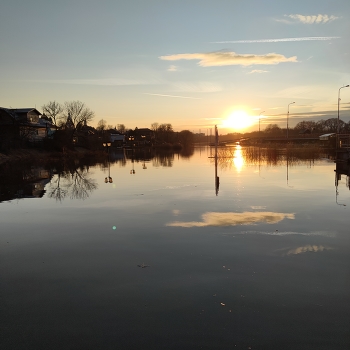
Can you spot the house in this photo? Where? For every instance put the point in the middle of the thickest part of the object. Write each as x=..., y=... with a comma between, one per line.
x=23, y=124
x=140, y=137
x=118, y=140
x=9, y=131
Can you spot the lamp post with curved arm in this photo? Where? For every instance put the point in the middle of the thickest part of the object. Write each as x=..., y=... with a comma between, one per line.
x=338, y=125
x=288, y=118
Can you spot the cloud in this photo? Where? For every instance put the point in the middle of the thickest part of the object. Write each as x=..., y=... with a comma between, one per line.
x=194, y=98
x=103, y=82
x=258, y=71
x=288, y=233
x=312, y=19
x=308, y=38
x=234, y=219
x=172, y=68
x=221, y=58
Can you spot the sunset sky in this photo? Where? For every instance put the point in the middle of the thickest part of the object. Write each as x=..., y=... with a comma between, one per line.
x=192, y=63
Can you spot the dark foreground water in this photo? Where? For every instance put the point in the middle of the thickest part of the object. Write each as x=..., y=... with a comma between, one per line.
x=164, y=258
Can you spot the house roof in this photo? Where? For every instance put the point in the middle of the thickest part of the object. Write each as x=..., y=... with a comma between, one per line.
x=24, y=110
x=326, y=136
x=6, y=116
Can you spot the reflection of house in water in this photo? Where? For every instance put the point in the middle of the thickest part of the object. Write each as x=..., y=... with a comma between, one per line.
x=23, y=183
x=35, y=182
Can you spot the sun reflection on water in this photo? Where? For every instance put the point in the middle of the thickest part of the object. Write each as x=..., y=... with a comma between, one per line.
x=238, y=159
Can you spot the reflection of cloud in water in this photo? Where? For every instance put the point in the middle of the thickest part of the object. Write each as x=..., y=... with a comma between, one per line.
x=308, y=248
x=233, y=219
x=176, y=212
x=287, y=233
x=258, y=207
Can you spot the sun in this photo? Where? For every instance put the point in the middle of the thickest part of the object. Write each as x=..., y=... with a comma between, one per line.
x=238, y=120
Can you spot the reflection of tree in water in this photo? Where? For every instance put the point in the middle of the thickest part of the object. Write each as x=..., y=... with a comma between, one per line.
x=166, y=158
x=163, y=159
x=271, y=156
x=74, y=183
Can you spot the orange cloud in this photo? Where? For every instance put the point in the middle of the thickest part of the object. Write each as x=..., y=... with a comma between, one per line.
x=212, y=59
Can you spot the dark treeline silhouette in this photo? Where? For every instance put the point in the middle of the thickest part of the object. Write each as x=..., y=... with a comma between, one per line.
x=304, y=127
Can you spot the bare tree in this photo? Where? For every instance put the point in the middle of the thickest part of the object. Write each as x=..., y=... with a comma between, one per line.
x=101, y=125
x=53, y=110
x=154, y=126
x=121, y=128
x=76, y=114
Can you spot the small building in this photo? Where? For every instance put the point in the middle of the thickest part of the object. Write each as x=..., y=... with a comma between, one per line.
x=23, y=125
x=327, y=137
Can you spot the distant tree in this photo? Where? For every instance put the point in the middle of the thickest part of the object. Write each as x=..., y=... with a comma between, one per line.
x=154, y=127
x=121, y=128
x=330, y=125
x=77, y=114
x=53, y=110
x=305, y=125
x=165, y=133
x=273, y=129
x=186, y=137
x=101, y=125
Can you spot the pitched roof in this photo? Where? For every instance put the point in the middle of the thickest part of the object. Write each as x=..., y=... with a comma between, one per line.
x=24, y=110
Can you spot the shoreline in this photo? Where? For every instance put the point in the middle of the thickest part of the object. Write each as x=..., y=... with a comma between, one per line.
x=36, y=155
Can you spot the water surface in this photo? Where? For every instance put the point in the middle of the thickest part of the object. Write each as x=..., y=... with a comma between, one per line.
x=168, y=257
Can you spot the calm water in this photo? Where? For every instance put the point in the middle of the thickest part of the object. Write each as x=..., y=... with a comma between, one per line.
x=163, y=259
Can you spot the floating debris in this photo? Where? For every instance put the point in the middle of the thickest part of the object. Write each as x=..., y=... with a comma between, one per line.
x=143, y=265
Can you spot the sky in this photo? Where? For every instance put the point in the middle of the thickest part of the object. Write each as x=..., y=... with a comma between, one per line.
x=191, y=63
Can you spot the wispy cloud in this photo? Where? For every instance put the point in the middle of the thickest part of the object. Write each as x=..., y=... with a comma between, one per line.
x=172, y=68
x=234, y=219
x=307, y=38
x=103, y=82
x=196, y=87
x=220, y=58
x=258, y=71
x=161, y=95
x=318, y=19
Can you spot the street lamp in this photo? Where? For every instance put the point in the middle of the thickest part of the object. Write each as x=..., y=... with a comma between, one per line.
x=259, y=120
x=338, y=126
x=288, y=118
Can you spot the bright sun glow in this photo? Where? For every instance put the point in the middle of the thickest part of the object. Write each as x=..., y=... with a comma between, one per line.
x=238, y=120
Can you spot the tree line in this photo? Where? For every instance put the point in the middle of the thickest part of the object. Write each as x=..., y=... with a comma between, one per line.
x=309, y=127
x=72, y=118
